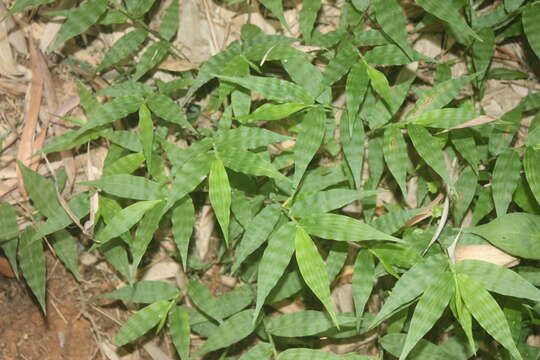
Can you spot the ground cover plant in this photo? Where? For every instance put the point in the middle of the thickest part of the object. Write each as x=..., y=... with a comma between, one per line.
x=344, y=164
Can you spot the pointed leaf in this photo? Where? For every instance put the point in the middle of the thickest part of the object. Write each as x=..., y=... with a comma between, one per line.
x=429, y=309
x=504, y=230
x=127, y=45
x=257, y=231
x=274, y=261
x=248, y=163
x=183, y=220
x=487, y=312
x=341, y=228
x=352, y=141
x=308, y=15
x=180, y=331
x=299, y=323
x=23, y=4
x=531, y=162
x=65, y=247
x=170, y=21
x=346, y=56
x=465, y=191
x=396, y=156
x=165, y=107
x=313, y=270
x=248, y=137
x=33, y=265
x=128, y=186
x=203, y=299
x=8, y=222
x=325, y=201
x=220, y=196
x=379, y=83
x=152, y=56
x=390, y=17
x=308, y=142
x=447, y=118
x=531, y=27
x=141, y=322
x=146, y=134
x=276, y=7
x=311, y=354
x=356, y=87
x=506, y=175
x=145, y=292
x=261, y=351
x=363, y=281
x=270, y=112
x=42, y=192
x=234, y=329
x=79, y=20
x=124, y=165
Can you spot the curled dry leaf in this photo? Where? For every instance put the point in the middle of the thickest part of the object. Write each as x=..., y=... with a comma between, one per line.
x=487, y=253
x=480, y=120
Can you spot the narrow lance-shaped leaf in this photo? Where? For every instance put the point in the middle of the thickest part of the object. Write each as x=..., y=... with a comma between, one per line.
x=128, y=186
x=65, y=247
x=123, y=221
x=346, y=56
x=308, y=142
x=352, y=140
x=428, y=310
x=328, y=200
x=299, y=323
x=180, y=331
x=447, y=12
x=248, y=163
x=165, y=107
x=363, y=281
x=257, y=231
x=410, y=285
x=342, y=228
x=465, y=191
x=531, y=26
x=355, y=89
x=427, y=148
x=395, y=155
x=146, y=229
x=308, y=15
x=504, y=230
x=183, y=220
x=506, y=176
x=169, y=23
x=379, y=83
x=272, y=88
x=389, y=15
x=487, y=312
x=124, y=165
x=189, y=176
x=531, y=164
x=203, y=299
x=141, y=322
x=220, y=196
x=41, y=191
x=33, y=265
x=261, y=351
x=23, y=4
x=270, y=112
x=8, y=222
x=313, y=270
x=248, y=137
x=234, y=329
x=152, y=56
x=145, y=292
x=146, y=128
x=274, y=261
x=276, y=7
x=79, y=20
x=127, y=45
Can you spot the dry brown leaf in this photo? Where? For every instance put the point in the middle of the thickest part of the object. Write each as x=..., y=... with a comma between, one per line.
x=161, y=271
x=485, y=252
x=427, y=212
x=480, y=120
x=176, y=65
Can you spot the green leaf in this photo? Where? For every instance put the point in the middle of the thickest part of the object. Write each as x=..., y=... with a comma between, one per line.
x=270, y=112
x=139, y=7
x=363, y=281
x=65, y=247
x=463, y=141
x=183, y=220
x=465, y=191
x=276, y=7
x=445, y=118
x=180, y=331
x=127, y=45
x=424, y=350
x=309, y=140
x=341, y=228
x=487, y=312
x=498, y=279
x=483, y=51
x=325, y=201
x=124, y=220
x=23, y=4
x=9, y=247
x=126, y=139
x=299, y=323
x=8, y=222
x=274, y=261
x=346, y=56
x=189, y=176
x=392, y=55
x=308, y=15
x=248, y=137
x=506, y=175
x=439, y=95
x=504, y=230
x=531, y=159
x=42, y=192
x=313, y=270
x=306, y=75
x=257, y=231
x=449, y=13
x=153, y=55
x=356, y=88
x=234, y=329
x=248, y=163
x=141, y=322
x=427, y=148
x=261, y=351
x=428, y=310
x=165, y=107
x=220, y=196
x=170, y=21
x=410, y=285
x=146, y=134
x=311, y=354
x=203, y=299
x=146, y=229
x=128, y=186
x=336, y=258
x=145, y=292
x=33, y=265
x=352, y=141
x=124, y=165
x=235, y=301
x=396, y=156
x=379, y=83
x=531, y=27
x=390, y=17
x=79, y=20
x=271, y=88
